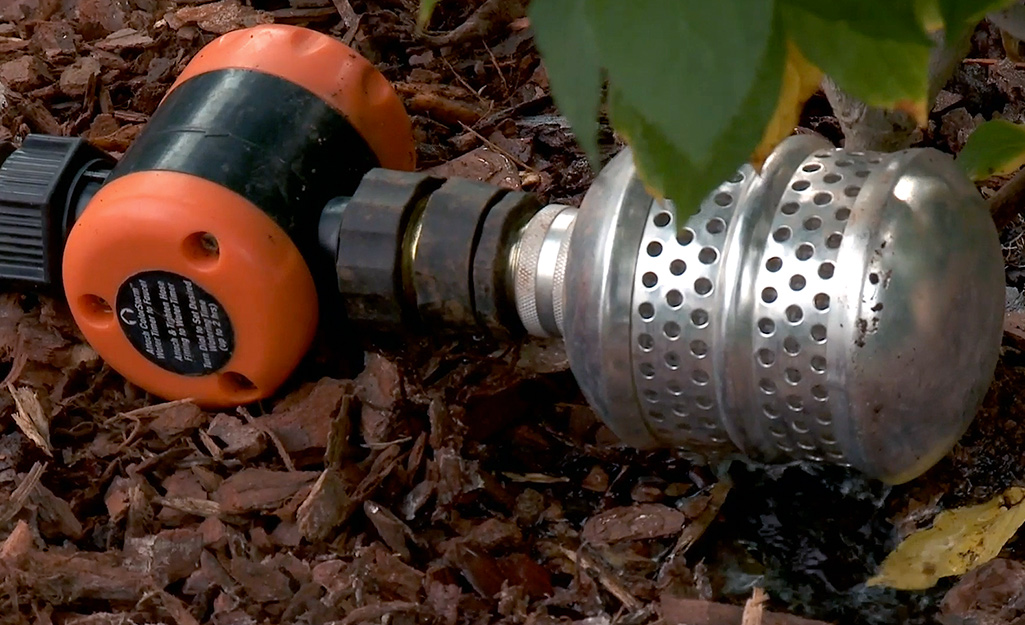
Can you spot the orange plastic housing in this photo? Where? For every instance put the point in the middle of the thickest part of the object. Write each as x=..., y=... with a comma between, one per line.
x=148, y=221
x=218, y=242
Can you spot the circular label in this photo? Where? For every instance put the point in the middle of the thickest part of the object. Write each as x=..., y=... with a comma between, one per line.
x=174, y=323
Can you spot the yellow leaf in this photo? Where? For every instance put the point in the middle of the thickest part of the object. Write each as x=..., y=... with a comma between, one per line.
x=800, y=81
x=958, y=541
x=916, y=109
x=929, y=15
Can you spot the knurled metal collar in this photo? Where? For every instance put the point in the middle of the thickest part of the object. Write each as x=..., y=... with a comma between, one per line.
x=539, y=267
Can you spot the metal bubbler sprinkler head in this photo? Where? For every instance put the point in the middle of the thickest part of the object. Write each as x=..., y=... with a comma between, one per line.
x=839, y=307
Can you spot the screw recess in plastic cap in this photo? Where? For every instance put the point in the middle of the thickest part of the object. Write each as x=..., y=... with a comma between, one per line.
x=186, y=287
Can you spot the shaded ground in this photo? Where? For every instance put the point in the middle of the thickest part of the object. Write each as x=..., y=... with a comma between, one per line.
x=459, y=483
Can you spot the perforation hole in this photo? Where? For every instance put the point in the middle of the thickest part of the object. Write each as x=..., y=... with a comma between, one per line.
x=674, y=298
x=699, y=376
x=671, y=329
x=662, y=219
x=704, y=402
x=794, y=402
x=831, y=178
x=699, y=348
x=646, y=342
x=822, y=198
x=842, y=214
x=801, y=428
x=819, y=392
x=654, y=248
x=792, y=376
x=805, y=251
x=235, y=383
x=96, y=309
x=821, y=301
x=715, y=226
x=833, y=240
x=708, y=255
x=791, y=346
x=769, y=295
x=736, y=177
x=797, y=282
x=794, y=313
x=789, y=208
x=768, y=386
x=649, y=279
x=844, y=163
x=766, y=326
x=772, y=412
x=800, y=185
x=646, y=310
x=812, y=223
x=826, y=270
x=766, y=357
x=781, y=234
x=674, y=389
x=811, y=167
x=723, y=199
x=852, y=191
x=818, y=364
x=702, y=286
x=656, y=416
x=647, y=369
x=685, y=236
x=774, y=264
x=677, y=267
x=818, y=332
x=202, y=249
x=651, y=396
x=699, y=317
x=862, y=173
x=672, y=360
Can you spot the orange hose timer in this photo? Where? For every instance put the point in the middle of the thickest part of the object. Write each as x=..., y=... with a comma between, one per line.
x=188, y=270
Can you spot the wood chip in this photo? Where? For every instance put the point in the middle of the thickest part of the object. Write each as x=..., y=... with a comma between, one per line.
x=677, y=611
x=260, y=490
x=327, y=506
x=218, y=17
x=30, y=417
x=263, y=583
x=21, y=494
x=18, y=543
x=638, y=522
x=125, y=39
x=55, y=517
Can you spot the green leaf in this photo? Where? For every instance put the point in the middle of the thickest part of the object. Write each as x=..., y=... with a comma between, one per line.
x=891, y=20
x=684, y=67
x=563, y=35
x=878, y=68
x=995, y=147
x=423, y=16
x=961, y=16
x=670, y=173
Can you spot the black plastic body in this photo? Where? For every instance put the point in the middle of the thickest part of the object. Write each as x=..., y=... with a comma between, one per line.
x=269, y=140
x=442, y=259
x=418, y=253
x=44, y=186
x=369, y=244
